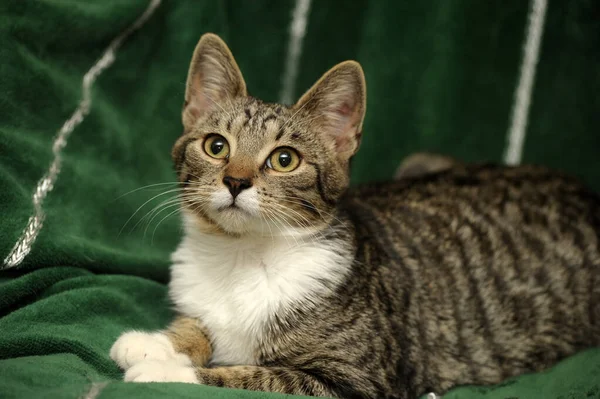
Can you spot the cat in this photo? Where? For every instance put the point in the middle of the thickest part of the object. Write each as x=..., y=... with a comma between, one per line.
x=287, y=280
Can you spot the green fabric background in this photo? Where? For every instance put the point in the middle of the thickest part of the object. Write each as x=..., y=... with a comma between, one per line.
x=441, y=77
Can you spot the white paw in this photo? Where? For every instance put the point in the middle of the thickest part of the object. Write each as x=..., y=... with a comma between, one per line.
x=134, y=347
x=160, y=371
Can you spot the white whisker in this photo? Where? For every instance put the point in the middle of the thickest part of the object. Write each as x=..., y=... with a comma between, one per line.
x=303, y=222
x=209, y=97
x=162, y=209
x=144, y=204
x=175, y=200
x=162, y=220
x=144, y=187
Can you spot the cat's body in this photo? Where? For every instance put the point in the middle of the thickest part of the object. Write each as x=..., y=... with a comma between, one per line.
x=287, y=282
x=467, y=276
x=474, y=275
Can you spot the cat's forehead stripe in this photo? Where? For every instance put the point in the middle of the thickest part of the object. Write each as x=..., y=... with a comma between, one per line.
x=268, y=118
x=256, y=120
x=239, y=121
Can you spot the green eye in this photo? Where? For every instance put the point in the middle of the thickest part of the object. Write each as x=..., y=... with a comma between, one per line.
x=216, y=146
x=283, y=160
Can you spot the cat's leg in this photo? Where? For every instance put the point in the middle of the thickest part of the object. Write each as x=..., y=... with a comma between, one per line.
x=255, y=378
x=423, y=163
x=184, y=342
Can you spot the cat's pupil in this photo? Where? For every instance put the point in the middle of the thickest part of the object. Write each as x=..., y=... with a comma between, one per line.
x=217, y=146
x=285, y=159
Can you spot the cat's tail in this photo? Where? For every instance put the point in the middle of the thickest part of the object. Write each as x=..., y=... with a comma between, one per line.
x=424, y=163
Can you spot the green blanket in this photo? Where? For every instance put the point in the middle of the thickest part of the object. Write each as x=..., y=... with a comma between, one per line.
x=441, y=77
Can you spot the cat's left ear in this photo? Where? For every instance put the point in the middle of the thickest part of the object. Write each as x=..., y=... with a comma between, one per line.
x=214, y=79
x=337, y=105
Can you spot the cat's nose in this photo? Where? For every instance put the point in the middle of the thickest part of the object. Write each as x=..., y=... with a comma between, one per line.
x=236, y=185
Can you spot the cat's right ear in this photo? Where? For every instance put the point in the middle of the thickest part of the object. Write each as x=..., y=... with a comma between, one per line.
x=214, y=79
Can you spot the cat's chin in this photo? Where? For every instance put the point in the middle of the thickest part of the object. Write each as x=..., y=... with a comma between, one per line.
x=234, y=220
x=239, y=222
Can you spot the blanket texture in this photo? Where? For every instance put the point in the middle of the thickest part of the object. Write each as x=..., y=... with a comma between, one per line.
x=441, y=77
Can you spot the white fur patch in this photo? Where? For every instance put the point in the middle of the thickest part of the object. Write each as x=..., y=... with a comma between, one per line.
x=161, y=371
x=234, y=220
x=247, y=200
x=236, y=285
x=135, y=347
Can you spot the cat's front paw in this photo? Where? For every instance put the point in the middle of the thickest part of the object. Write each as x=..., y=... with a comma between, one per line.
x=161, y=371
x=134, y=347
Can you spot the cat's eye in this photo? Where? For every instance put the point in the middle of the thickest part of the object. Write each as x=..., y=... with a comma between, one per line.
x=283, y=159
x=216, y=146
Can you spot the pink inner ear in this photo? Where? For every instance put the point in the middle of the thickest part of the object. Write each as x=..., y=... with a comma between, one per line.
x=200, y=104
x=203, y=103
x=343, y=119
x=344, y=128
x=344, y=110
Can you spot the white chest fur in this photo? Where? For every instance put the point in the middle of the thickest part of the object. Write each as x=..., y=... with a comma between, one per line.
x=235, y=285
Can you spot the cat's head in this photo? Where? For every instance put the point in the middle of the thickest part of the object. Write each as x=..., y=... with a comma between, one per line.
x=249, y=167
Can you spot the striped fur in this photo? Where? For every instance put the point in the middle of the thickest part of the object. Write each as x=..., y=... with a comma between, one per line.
x=453, y=274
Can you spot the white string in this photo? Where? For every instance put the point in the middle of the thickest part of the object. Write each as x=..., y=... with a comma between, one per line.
x=46, y=184
x=523, y=92
x=297, y=32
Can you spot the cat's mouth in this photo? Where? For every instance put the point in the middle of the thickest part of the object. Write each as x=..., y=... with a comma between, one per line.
x=235, y=215
x=233, y=207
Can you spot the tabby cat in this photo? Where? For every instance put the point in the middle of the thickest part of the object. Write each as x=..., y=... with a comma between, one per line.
x=288, y=281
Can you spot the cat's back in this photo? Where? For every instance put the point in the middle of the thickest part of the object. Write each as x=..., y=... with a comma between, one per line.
x=523, y=195
x=495, y=269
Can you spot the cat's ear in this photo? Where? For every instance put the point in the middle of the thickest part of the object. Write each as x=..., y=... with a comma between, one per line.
x=214, y=79
x=337, y=105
